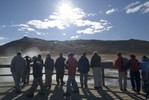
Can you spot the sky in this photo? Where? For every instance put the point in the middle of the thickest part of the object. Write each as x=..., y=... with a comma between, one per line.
x=74, y=19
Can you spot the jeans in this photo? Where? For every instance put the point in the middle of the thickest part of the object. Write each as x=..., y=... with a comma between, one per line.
x=17, y=77
x=83, y=78
x=48, y=78
x=71, y=81
x=135, y=79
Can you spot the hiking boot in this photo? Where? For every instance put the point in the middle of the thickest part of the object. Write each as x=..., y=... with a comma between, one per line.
x=96, y=88
x=125, y=89
x=29, y=95
x=86, y=86
x=121, y=89
x=76, y=91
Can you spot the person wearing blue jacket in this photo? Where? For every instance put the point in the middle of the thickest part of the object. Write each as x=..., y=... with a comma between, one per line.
x=144, y=64
x=83, y=68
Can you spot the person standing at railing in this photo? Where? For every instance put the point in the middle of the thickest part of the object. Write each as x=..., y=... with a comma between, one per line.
x=83, y=68
x=134, y=73
x=37, y=75
x=122, y=72
x=49, y=67
x=144, y=64
x=27, y=70
x=71, y=66
x=60, y=69
x=17, y=67
x=97, y=70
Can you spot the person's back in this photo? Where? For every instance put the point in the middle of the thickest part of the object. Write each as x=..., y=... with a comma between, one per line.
x=18, y=63
x=83, y=64
x=134, y=64
x=37, y=69
x=96, y=61
x=49, y=63
x=144, y=63
x=72, y=65
x=60, y=63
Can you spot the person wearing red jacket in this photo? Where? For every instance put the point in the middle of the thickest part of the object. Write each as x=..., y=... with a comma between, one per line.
x=122, y=73
x=134, y=73
x=71, y=66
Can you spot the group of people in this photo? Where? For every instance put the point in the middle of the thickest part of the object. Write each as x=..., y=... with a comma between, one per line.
x=132, y=64
x=20, y=68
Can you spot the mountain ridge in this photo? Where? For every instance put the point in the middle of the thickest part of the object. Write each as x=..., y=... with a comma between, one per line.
x=77, y=46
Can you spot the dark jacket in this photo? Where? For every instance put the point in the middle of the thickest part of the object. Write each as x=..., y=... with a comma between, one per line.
x=60, y=64
x=49, y=64
x=96, y=61
x=83, y=65
x=37, y=69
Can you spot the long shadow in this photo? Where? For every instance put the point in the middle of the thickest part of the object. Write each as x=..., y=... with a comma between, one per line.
x=10, y=94
x=88, y=94
x=132, y=95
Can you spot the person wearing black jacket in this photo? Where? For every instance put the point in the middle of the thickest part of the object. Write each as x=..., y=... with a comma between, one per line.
x=37, y=75
x=97, y=70
x=83, y=68
x=60, y=69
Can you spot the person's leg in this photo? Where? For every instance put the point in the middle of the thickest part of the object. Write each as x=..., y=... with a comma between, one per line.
x=95, y=75
x=100, y=77
x=33, y=87
x=85, y=79
x=57, y=77
x=137, y=77
x=61, y=77
x=125, y=80
x=50, y=78
x=28, y=76
x=69, y=81
x=17, y=77
x=74, y=84
x=81, y=79
x=132, y=80
x=42, y=89
x=120, y=80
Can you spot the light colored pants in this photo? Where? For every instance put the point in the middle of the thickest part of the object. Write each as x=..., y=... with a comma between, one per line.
x=48, y=77
x=97, y=74
x=83, y=78
x=17, y=76
x=34, y=86
x=122, y=79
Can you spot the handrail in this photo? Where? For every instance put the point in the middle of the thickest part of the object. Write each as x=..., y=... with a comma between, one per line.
x=105, y=65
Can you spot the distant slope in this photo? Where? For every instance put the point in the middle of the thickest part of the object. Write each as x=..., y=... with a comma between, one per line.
x=27, y=44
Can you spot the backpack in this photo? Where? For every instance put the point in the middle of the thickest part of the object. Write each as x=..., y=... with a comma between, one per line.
x=125, y=64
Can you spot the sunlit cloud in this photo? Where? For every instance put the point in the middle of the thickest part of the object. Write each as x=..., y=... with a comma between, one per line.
x=137, y=7
x=67, y=16
x=75, y=37
x=111, y=11
x=2, y=38
x=26, y=28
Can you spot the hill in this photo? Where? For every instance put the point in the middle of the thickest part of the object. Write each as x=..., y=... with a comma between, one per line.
x=33, y=45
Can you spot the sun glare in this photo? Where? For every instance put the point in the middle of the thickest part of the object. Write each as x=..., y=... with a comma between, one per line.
x=66, y=11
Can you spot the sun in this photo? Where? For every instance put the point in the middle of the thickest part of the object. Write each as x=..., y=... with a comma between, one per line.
x=65, y=11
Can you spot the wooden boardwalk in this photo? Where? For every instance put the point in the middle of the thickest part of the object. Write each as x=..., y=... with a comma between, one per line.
x=56, y=93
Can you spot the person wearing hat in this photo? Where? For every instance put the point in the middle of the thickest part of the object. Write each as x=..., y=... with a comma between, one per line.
x=134, y=73
x=71, y=66
x=83, y=68
x=97, y=70
x=144, y=64
x=49, y=67
x=18, y=64
x=122, y=73
x=37, y=78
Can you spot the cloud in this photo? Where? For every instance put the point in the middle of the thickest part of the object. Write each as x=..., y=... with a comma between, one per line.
x=26, y=28
x=75, y=37
x=76, y=17
x=137, y=7
x=2, y=38
x=2, y=26
x=111, y=11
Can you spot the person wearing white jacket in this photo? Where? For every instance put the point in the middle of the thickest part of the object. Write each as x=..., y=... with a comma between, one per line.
x=17, y=67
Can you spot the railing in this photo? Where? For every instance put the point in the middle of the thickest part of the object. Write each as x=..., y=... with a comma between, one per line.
x=105, y=65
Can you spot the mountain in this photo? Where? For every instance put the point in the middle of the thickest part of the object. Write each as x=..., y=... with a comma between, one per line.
x=33, y=45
